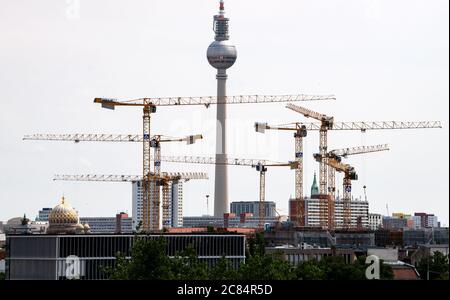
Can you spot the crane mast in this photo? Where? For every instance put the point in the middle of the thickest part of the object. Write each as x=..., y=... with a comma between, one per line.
x=325, y=125
x=334, y=163
x=150, y=220
x=338, y=154
x=299, y=134
x=262, y=169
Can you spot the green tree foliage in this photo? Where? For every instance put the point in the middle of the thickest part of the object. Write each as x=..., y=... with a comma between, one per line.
x=223, y=270
x=436, y=265
x=187, y=266
x=2, y=276
x=148, y=262
x=256, y=245
x=265, y=267
x=309, y=270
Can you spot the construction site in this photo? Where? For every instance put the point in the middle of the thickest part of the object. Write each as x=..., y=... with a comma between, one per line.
x=331, y=212
x=345, y=163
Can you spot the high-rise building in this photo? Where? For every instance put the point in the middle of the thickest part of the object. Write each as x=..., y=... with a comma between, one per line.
x=43, y=214
x=359, y=210
x=175, y=215
x=424, y=220
x=175, y=209
x=375, y=221
x=240, y=207
x=394, y=223
x=221, y=55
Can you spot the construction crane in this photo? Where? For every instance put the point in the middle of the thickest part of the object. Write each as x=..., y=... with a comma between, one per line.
x=345, y=126
x=336, y=157
x=259, y=165
x=326, y=123
x=299, y=134
x=361, y=126
x=151, y=184
x=164, y=179
x=155, y=143
x=262, y=169
x=130, y=178
x=349, y=175
x=277, y=212
x=149, y=106
x=338, y=154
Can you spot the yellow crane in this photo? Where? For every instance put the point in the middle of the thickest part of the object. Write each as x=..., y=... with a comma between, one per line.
x=334, y=158
x=326, y=123
x=329, y=124
x=349, y=175
x=152, y=182
x=155, y=143
x=346, y=152
x=164, y=178
x=262, y=169
x=260, y=166
x=279, y=216
x=149, y=105
x=299, y=134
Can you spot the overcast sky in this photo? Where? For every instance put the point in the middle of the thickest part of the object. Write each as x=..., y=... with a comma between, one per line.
x=383, y=59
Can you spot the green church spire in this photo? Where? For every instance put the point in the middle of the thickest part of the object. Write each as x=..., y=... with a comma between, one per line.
x=314, y=187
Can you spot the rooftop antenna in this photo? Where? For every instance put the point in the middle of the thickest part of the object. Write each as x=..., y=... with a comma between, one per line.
x=365, y=195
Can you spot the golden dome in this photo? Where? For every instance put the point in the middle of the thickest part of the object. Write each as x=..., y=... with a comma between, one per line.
x=63, y=213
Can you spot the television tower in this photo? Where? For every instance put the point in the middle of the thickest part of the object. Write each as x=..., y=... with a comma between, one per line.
x=221, y=55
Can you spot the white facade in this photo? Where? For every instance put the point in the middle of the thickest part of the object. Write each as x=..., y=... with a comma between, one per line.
x=417, y=222
x=358, y=208
x=176, y=200
x=432, y=221
x=375, y=221
x=176, y=205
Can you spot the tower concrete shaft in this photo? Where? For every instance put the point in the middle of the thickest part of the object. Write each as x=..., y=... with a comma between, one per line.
x=221, y=204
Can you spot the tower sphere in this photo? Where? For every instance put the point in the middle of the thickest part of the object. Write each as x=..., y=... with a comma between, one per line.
x=221, y=54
